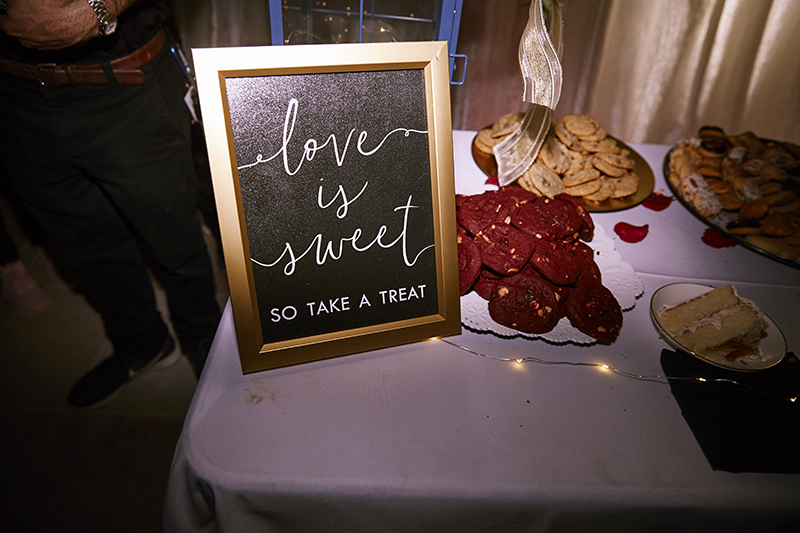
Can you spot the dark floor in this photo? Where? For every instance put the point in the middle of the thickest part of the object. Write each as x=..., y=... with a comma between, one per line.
x=65, y=470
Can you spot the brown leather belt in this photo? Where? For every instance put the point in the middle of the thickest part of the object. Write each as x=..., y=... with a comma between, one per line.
x=125, y=69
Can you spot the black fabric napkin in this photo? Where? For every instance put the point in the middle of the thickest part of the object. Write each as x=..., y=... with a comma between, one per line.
x=747, y=426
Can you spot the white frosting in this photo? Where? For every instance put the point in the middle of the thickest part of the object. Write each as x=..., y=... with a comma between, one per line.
x=748, y=189
x=737, y=153
x=716, y=319
x=706, y=201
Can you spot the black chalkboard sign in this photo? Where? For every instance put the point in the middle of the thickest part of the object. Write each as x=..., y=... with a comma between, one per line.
x=333, y=172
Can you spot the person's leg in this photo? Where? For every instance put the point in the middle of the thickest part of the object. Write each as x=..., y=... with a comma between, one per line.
x=97, y=245
x=46, y=254
x=205, y=188
x=148, y=174
x=38, y=152
x=19, y=289
x=87, y=155
x=8, y=248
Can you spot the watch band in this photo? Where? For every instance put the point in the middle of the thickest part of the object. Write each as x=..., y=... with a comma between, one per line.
x=107, y=21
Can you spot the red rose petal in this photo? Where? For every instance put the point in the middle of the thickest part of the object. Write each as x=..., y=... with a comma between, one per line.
x=715, y=239
x=493, y=181
x=630, y=233
x=657, y=201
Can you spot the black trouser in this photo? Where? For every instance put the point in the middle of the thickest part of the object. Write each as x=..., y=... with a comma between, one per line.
x=8, y=249
x=104, y=169
x=28, y=225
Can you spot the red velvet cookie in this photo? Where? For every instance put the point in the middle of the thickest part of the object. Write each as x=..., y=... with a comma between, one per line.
x=484, y=286
x=562, y=293
x=525, y=302
x=559, y=261
x=479, y=211
x=504, y=248
x=469, y=261
x=547, y=219
x=519, y=194
x=594, y=310
x=589, y=268
x=586, y=231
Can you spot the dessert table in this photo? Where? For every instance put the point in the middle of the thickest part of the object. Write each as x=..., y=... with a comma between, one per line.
x=455, y=434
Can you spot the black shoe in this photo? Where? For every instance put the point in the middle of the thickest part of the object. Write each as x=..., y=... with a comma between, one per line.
x=103, y=382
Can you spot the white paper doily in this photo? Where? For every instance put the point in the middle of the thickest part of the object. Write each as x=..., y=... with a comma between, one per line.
x=618, y=276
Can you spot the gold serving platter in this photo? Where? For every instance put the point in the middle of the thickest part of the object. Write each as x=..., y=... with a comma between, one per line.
x=488, y=165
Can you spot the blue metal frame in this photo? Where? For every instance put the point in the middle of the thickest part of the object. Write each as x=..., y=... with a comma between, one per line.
x=275, y=30
x=448, y=22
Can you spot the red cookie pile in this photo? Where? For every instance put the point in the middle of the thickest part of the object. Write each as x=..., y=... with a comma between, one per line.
x=524, y=254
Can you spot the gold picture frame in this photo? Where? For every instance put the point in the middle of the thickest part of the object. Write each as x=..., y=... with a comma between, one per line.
x=332, y=168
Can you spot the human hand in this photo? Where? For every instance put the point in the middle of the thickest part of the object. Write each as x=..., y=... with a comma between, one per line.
x=49, y=24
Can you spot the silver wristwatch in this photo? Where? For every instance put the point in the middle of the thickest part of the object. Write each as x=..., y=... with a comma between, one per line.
x=108, y=22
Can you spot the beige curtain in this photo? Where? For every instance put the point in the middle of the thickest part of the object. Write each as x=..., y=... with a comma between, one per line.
x=213, y=23
x=652, y=71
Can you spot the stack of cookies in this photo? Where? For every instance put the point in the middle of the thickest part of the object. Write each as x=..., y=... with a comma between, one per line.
x=527, y=256
x=577, y=158
x=598, y=167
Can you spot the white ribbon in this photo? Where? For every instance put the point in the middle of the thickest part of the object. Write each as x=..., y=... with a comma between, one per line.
x=540, y=66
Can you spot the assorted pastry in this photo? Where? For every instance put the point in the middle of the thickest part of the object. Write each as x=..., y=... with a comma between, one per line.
x=577, y=158
x=743, y=185
x=525, y=254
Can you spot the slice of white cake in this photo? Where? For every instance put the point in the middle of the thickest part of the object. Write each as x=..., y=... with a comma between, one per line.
x=718, y=324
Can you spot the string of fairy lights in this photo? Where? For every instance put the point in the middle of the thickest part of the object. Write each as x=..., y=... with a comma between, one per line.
x=664, y=380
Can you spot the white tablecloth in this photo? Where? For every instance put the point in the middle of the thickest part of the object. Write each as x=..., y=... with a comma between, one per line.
x=429, y=437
